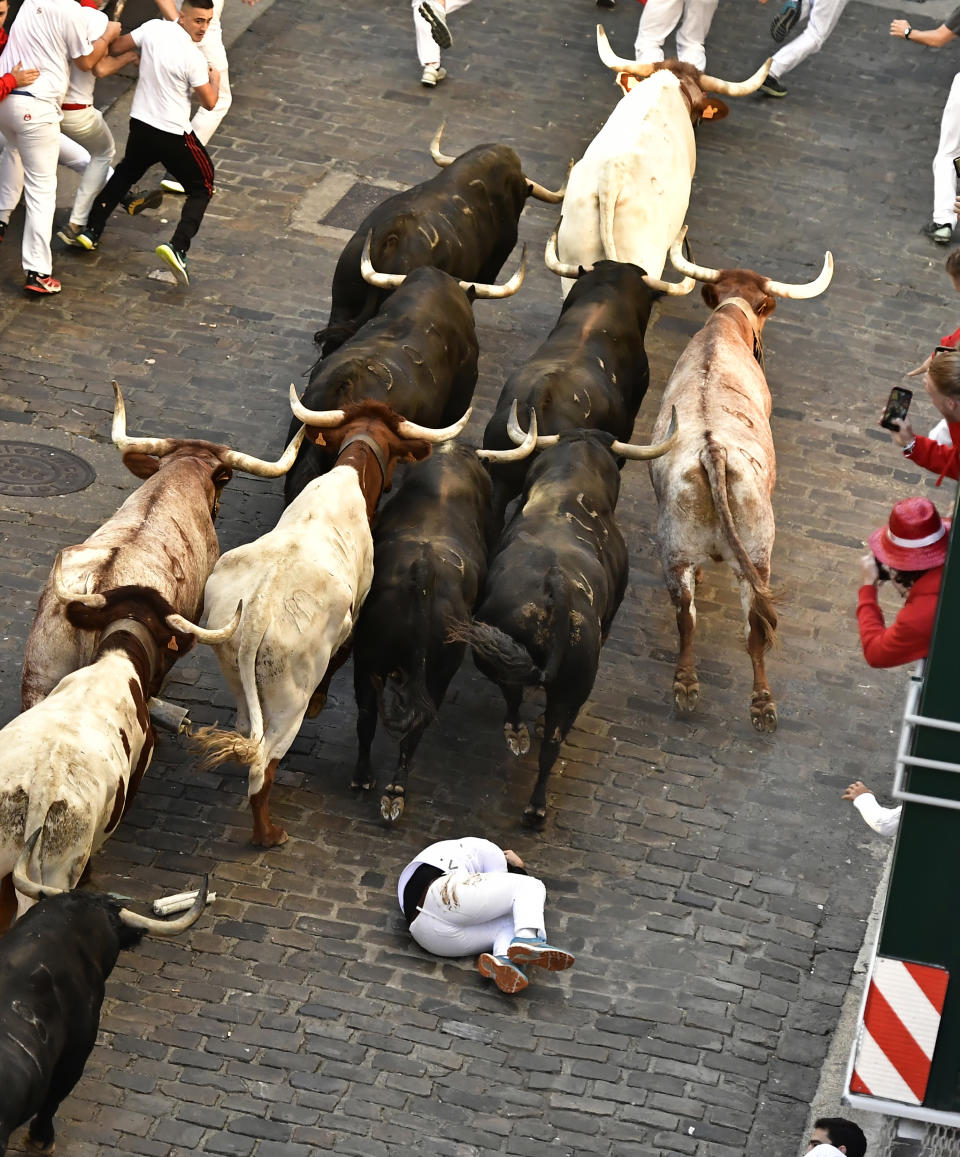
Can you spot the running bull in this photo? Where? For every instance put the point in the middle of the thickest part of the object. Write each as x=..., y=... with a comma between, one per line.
x=715, y=489
x=556, y=579
x=463, y=221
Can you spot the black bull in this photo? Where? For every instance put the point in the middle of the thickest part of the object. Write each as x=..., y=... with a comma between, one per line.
x=463, y=221
x=54, y=964
x=591, y=372
x=418, y=356
x=556, y=580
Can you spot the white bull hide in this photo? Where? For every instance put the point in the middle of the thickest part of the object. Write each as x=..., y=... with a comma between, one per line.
x=66, y=767
x=627, y=196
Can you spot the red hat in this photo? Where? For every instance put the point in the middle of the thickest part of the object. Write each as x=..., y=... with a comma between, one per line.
x=915, y=538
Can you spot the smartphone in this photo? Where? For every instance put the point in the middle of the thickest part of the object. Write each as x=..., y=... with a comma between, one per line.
x=956, y=165
x=882, y=573
x=897, y=406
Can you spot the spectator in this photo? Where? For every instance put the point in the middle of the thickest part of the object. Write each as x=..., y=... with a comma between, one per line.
x=912, y=549
x=171, y=67
x=833, y=1135
x=433, y=33
x=48, y=36
x=465, y=896
x=941, y=225
x=884, y=820
x=941, y=380
x=821, y=17
x=660, y=17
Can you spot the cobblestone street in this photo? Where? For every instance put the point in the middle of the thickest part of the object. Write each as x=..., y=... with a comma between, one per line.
x=710, y=880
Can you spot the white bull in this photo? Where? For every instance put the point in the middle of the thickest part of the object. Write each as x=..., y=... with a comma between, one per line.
x=627, y=196
x=714, y=489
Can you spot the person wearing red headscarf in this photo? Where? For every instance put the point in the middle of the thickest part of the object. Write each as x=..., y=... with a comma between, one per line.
x=911, y=550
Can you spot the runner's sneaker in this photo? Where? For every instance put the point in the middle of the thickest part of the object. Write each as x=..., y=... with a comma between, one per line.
x=606, y=3
x=69, y=235
x=176, y=261
x=538, y=951
x=506, y=975
x=942, y=234
x=172, y=185
x=41, y=283
x=139, y=199
x=85, y=239
x=3, y=229
x=773, y=87
x=432, y=75
x=783, y=23
x=436, y=18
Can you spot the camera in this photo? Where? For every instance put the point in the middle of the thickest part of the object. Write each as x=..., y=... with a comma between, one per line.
x=882, y=573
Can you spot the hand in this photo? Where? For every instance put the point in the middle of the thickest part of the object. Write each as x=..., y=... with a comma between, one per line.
x=903, y=435
x=856, y=788
x=868, y=571
x=24, y=76
x=899, y=28
x=251, y=2
x=512, y=857
x=924, y=366
x=112, y=31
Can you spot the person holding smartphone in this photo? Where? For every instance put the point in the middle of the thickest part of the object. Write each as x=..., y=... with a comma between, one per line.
x=941, y=380
x=909, y=552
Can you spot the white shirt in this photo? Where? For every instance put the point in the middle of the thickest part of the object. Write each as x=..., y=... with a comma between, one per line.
x=81, y=83
x=470, y=854
x=827, y=1150
x=171, y=67
x=885, y=820
x=48, y=35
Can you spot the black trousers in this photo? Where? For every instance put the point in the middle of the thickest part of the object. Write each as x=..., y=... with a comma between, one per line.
x=182, y=155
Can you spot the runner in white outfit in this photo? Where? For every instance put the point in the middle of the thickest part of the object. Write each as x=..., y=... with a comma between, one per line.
x=884, y=820
x=659, y=19
x=821, y=17
x=433, y=36
x=465, y=896
x=48, y=34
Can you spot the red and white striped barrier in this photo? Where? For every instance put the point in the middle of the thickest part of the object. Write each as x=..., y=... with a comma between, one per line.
x=901, y=1020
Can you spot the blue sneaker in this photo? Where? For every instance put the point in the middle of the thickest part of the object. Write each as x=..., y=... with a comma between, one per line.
x=506, y=975
x=540, y=953
x=785, y=21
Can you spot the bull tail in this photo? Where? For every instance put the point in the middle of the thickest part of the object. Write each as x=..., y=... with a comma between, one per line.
x=713, y=459
x=607, y=192
x=408, y=706
x=510, y=660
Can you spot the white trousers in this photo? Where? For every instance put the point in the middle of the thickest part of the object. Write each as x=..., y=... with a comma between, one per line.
x=659, y=19
x=464, y=913
x=821, y=17
x=32, y=128
x=87, y=127
x=71, y=156
x=206, y=121
x=944, y=174
x=428, y=51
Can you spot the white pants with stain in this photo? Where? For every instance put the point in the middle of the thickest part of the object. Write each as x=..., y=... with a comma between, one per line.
x=465, y=913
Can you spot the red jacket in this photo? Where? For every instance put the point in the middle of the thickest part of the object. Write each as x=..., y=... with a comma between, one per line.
x=909, y=637
x=7, y=82
x=942, y=460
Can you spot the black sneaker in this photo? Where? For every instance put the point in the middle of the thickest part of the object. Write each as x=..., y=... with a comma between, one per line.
x=3, y=229
x=176, y=260
x=784, y=22
x=436, y=18
x=43, y=284
x=942, y=234
x=139, y=199
x=606, y=3
x=773, y=87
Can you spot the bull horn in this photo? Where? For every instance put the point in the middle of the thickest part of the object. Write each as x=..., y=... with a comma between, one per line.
x=411, y=430
x=736, y=88
x=644, y=453
x=619, y=63
x=687, y=268
x=439, y=158
x=673, y=288
x=168, y=927
x=548, y=195
x=371, y=276
x=810, y=289
x=211, y=636
x=65, y=595
x=320, y=418
x=555, y=265
x=258, y=466
x=526, y=445
x=21, y=873
x=156, y=446
x=508, y=289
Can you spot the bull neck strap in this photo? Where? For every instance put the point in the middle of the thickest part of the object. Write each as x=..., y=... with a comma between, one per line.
x=141, y=633
x=748, y=312
x=373, y=445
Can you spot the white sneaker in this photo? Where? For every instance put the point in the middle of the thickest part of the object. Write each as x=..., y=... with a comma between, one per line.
x=432, y=75
x=170, y=185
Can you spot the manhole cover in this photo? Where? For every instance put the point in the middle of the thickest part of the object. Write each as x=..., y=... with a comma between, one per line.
x=355, y=204
x=29, y=470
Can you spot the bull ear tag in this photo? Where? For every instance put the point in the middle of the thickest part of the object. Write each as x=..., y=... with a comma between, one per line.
x=709, y=112
x=172, y=645
x=627, y=80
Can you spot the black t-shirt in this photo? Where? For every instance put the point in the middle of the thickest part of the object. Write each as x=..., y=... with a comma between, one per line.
x=953, y=21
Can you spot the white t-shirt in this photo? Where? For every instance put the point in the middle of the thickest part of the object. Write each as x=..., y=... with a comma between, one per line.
x=81, y=83
x=47, y=34
x=171, y=67
x=471, y=854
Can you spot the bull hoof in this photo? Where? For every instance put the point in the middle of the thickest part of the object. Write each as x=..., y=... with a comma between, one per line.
x=763, y=714
x=538, y=727
x=274, y=837
x=391, y=807
x=317, y=703
x=363, y=782
x=36, y=1145
x=518, y=738
x=686, y=695
x=534, y=817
